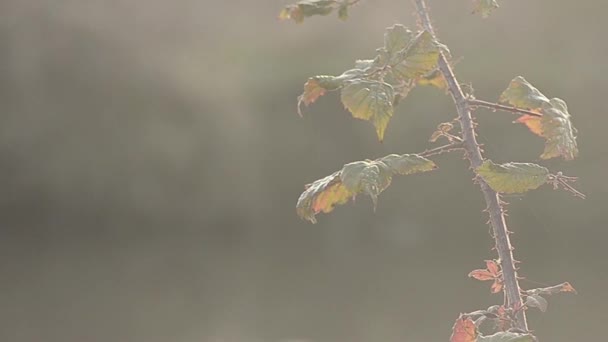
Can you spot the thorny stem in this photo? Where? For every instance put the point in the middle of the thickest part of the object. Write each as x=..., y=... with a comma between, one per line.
x=473, y=153
x=495, y=106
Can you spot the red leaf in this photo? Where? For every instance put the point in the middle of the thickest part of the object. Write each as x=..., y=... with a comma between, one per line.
x=332, y=195
x=482, y=275
x=492, y=272
x=504, y=321
x=566, y=287
x=497, y=286
x=493, y=267
x=533, y=123
x=312, y=91
x=464, y=330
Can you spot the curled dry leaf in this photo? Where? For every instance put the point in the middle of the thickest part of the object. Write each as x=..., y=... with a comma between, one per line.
x=464, y=330
x=554, y=125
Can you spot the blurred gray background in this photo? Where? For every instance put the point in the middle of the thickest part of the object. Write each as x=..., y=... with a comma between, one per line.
x=151, y=158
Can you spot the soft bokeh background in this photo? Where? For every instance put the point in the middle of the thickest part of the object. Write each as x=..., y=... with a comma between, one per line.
x=151, y=158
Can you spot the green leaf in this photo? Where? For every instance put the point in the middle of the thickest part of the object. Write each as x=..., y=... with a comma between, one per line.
x=396, y=38
x=522, y=94
x=433, y=78
x=536, y=301
x=370, y=100
x=557, y=129
x=343, y=10
x=484, y=7
x=406, y=57
x=307, y=8
x=406, y=164
x=322, y=196
x=317, y=86
x=370, y=177
x=419, y=58
x=507, y=337
x=513, y=177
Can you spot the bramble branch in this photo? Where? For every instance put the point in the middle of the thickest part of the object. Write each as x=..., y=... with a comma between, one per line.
x=513, y=297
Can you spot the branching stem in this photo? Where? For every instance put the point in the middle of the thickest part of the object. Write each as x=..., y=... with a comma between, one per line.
x=473, y=153
x=496, y=106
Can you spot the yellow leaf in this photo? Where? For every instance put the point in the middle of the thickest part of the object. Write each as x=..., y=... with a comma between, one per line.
x=522, y=94
x=533, y=123
x=433, y=78
x=371, y=101
x=419, y=58
x=512, y=178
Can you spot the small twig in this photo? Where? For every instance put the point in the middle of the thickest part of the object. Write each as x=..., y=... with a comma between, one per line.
x=452, y=137
x=560, y=180
x=442, y=149
x=551, y=290
x=496, y=106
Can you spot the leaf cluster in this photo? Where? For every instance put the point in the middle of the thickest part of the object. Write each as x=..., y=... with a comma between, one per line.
x=370, y=177
x=372, y=89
